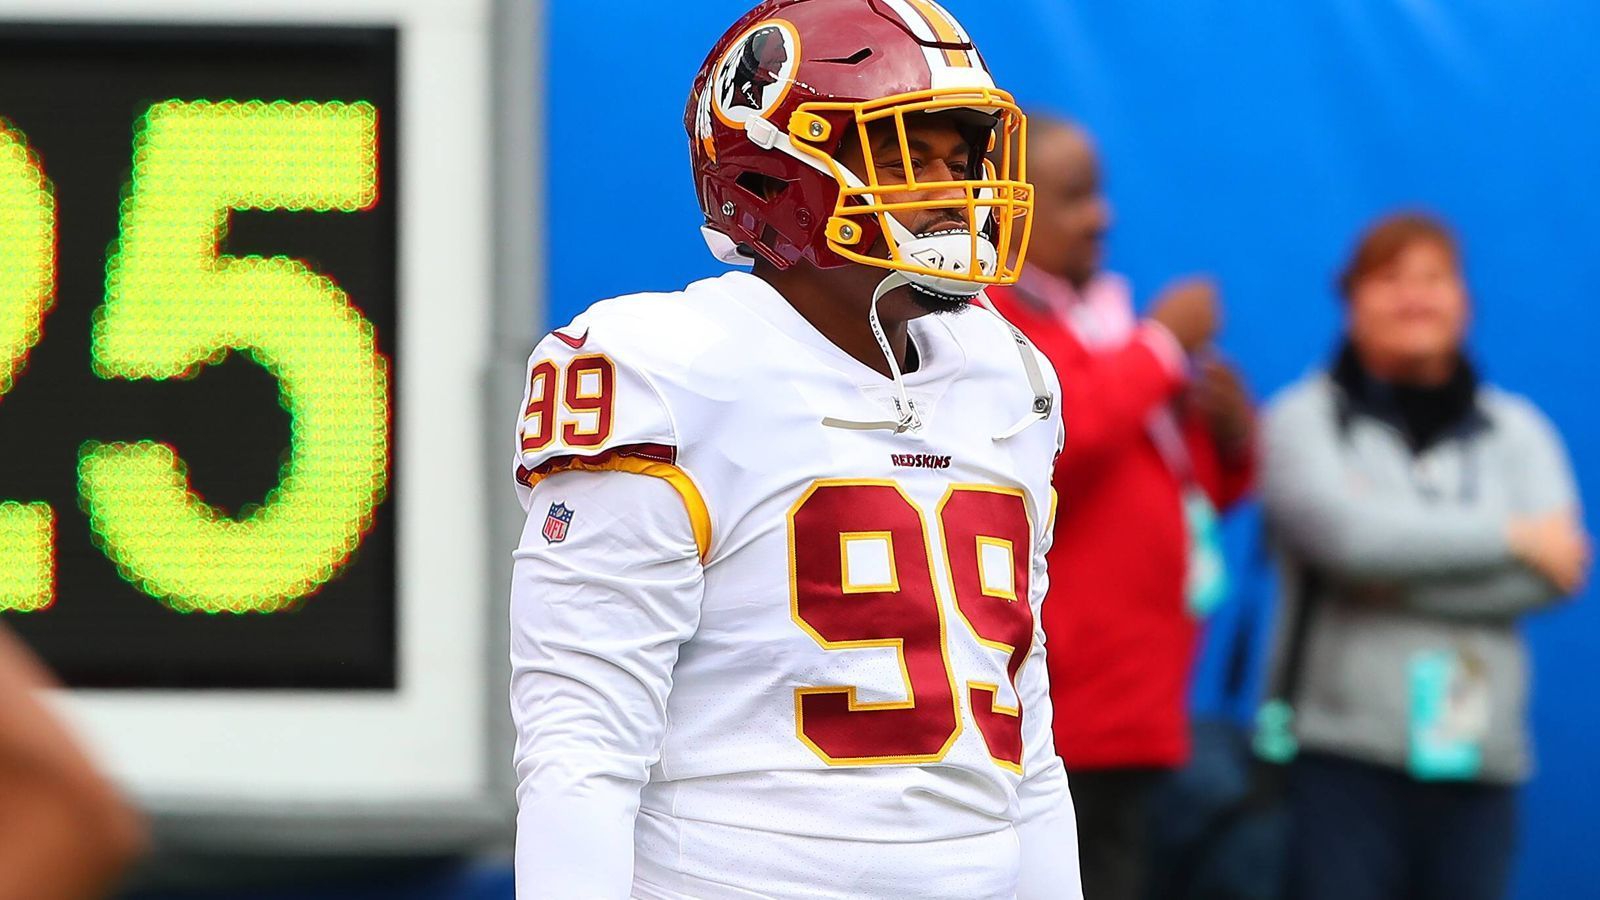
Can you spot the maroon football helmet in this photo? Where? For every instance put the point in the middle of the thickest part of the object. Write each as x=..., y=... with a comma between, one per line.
x=777, y=97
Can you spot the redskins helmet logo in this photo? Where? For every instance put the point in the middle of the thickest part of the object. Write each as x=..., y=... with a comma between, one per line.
x=755, y=69
x=756, y=72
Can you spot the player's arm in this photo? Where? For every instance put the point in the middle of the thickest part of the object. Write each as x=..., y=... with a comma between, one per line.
x=66, y=831
x=597, y=618
x=606, y=584
x=1048, y=828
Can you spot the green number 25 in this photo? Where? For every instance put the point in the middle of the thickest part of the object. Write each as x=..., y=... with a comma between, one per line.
x=173, y=305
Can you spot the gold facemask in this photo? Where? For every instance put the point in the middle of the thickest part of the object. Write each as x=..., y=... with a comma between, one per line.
x=997, y=205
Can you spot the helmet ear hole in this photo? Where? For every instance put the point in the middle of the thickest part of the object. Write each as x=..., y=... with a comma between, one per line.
x=762, y=187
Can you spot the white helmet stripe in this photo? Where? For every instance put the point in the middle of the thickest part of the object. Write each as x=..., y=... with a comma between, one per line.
x=932, y=8
x=951, y=20
x=922, y=30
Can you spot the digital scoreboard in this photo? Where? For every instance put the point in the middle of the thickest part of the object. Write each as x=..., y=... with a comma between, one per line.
x=268, y=280
x=199, y=376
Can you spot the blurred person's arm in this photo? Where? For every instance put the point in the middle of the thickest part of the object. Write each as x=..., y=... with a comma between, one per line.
x=64, y=830
x=1107, y=397
x=1354, y=534
x=1498, y=595
x=596, y=622
x=1553, y=554
x=1219, y=432
x=1048, y=828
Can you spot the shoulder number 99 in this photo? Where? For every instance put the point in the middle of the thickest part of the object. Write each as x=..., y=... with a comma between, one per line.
x=174, y=304
x=587, y=388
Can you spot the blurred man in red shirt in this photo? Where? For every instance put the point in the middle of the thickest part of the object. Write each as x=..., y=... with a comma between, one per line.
x=1159, y=437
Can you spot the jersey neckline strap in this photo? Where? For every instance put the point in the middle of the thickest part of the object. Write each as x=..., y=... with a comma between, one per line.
x=940, y=355
x=908, y=420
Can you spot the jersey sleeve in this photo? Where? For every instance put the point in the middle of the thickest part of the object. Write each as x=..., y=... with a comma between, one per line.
x=1047, y=830
x=589, y=404
x=599, y=608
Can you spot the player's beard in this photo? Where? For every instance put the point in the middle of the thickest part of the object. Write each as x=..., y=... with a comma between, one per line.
x=935, y=303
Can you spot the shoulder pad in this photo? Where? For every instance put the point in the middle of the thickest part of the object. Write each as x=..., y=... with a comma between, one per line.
x=585, y=398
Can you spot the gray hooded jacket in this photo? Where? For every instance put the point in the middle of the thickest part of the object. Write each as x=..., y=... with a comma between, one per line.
x=1412, y=658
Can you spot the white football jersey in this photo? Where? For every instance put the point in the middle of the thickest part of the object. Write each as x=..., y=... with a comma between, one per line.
x=864, y=660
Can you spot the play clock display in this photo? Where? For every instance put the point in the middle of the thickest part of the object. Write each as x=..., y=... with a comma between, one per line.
x=197, y=367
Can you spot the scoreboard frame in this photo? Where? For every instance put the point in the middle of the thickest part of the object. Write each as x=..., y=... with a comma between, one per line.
x=317, y=770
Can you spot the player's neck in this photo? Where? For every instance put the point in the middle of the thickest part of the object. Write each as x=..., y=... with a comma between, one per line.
x=836, y=301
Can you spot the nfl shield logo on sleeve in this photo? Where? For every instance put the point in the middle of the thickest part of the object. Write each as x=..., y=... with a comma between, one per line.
x=555, y=524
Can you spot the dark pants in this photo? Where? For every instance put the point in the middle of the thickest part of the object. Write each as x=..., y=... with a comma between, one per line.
x=1364, y=832
x=1113, y=830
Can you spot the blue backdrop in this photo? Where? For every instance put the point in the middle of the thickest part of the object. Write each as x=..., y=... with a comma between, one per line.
x=1245, y=138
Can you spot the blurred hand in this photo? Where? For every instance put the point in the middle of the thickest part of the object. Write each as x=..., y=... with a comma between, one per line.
x=1219, y=395
x=1191, y=310
x=68, y=832
x=1554, y=545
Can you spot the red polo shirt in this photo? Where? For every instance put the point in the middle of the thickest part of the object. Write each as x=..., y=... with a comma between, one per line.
x=1121, y=642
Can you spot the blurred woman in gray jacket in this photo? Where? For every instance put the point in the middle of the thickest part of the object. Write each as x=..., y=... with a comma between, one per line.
x=1419, y=513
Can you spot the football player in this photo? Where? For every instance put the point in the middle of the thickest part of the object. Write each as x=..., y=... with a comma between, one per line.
x=775, y=609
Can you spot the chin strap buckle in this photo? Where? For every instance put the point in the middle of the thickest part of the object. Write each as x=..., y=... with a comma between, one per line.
x=762, y=132
x=1043, y=400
